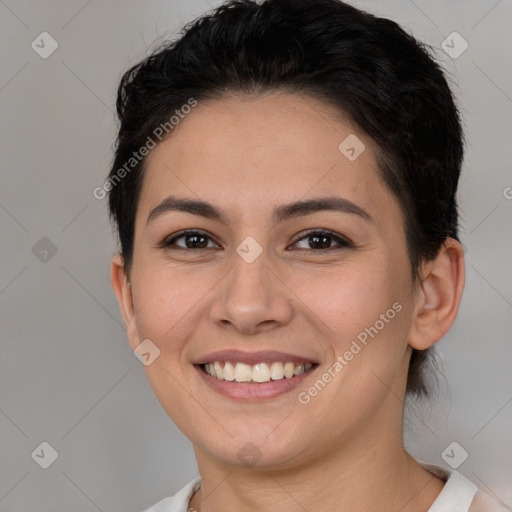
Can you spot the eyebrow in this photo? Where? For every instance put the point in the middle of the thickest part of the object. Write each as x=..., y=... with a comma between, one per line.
x=280, y=214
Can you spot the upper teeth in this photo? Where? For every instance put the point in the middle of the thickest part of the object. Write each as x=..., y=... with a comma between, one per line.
x=260, y=372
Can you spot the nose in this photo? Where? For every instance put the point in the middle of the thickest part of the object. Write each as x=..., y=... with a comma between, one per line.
x=252, y=298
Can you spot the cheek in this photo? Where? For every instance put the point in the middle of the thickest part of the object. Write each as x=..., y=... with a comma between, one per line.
x=166, y=304
x=345, y=300
x=362, y=314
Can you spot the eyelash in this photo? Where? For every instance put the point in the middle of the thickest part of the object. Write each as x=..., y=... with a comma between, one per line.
x=168, y=243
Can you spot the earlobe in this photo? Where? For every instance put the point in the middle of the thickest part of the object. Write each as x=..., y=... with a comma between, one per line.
x=439, y=296
x=122, y=288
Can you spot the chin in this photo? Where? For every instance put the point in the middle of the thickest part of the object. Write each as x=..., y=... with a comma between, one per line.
x=255, y=450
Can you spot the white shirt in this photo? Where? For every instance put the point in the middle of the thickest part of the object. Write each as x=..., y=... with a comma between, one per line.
x=458, y=495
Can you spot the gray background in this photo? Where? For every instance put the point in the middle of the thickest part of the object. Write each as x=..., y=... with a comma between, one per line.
x=67, y=375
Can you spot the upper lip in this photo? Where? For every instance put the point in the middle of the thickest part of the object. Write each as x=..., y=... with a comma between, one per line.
x=252, y=358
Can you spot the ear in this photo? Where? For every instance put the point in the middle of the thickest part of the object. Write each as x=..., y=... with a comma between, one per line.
x=438, y=296
x=122, y=288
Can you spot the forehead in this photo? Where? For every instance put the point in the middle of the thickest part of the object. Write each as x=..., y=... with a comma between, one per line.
x=251, y=153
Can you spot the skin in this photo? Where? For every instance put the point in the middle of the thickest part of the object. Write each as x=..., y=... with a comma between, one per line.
x=248, y=154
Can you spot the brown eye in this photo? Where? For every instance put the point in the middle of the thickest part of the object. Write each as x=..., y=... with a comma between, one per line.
x=317, y=241
x=192, y=239
x=321, y=240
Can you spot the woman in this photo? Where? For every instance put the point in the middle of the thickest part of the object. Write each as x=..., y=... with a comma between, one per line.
x=284, y=189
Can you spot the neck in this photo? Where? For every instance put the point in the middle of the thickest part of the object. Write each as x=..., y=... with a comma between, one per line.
x=370, y=472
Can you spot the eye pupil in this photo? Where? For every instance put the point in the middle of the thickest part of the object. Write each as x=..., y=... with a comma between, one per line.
x=191, y=241
x=324, y=243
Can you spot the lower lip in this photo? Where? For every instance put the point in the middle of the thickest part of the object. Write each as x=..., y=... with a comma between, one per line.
x=253, y=391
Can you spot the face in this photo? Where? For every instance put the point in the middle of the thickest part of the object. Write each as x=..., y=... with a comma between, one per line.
x=261, y=284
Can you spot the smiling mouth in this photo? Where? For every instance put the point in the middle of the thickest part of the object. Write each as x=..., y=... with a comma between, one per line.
x=257, y=373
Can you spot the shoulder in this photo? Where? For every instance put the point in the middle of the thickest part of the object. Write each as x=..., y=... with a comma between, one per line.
x=179, y=501
x=460, y=494
x=483, y=502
